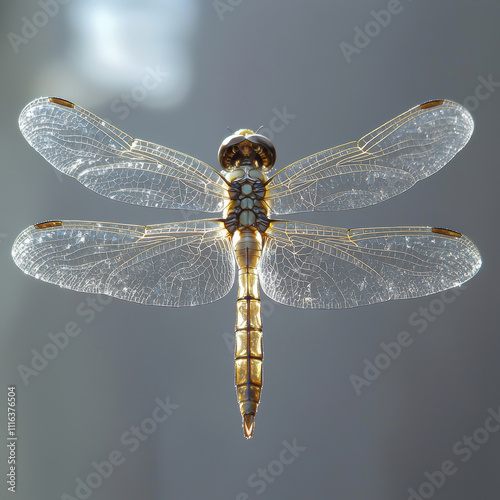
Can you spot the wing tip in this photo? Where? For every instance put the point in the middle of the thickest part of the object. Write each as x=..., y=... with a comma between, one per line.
x=43, y=101
x=474, y=260
x=464, y=116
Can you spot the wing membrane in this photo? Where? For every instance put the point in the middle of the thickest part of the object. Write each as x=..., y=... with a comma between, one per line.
x=312, y=266
x=380, y=165
x=175, y=264
x=115, y=165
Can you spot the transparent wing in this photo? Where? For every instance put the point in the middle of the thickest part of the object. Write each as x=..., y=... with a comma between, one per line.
x=175, y=264
x=311, y=266
x=380, y=165
x=113, y=164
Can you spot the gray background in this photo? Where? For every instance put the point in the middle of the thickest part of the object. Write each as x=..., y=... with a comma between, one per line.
x=235, y=69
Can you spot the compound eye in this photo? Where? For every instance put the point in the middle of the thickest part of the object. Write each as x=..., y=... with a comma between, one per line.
x=240, y=150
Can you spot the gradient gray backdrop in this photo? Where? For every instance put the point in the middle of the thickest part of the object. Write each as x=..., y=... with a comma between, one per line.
x=236, y=67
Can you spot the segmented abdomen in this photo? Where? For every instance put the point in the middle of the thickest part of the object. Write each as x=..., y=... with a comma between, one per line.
x=248, y=345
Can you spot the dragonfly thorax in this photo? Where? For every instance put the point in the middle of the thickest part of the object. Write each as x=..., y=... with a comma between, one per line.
x=246, y=207
x=245, y=148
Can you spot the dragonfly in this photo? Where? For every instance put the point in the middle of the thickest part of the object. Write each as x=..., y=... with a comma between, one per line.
x=196, y=262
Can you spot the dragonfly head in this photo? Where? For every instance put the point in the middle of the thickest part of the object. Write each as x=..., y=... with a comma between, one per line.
x=245, y=147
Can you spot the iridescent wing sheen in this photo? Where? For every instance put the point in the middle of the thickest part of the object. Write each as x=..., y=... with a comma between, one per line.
x=312, y=266
x=113, y=164
x=175, y=264
x=380, y=165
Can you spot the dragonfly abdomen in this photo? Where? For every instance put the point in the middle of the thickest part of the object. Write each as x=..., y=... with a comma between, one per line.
x=248, y=342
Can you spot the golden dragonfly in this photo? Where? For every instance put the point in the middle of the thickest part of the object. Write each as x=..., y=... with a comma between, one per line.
x=296, y=264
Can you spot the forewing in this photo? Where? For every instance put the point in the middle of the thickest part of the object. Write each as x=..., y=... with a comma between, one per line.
x=175, y=264
x=380, y=165
x=312, y=266
x=113, y=164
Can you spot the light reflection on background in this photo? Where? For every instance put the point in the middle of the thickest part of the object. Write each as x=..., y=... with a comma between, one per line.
x=114, y=44
x=263, y=56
